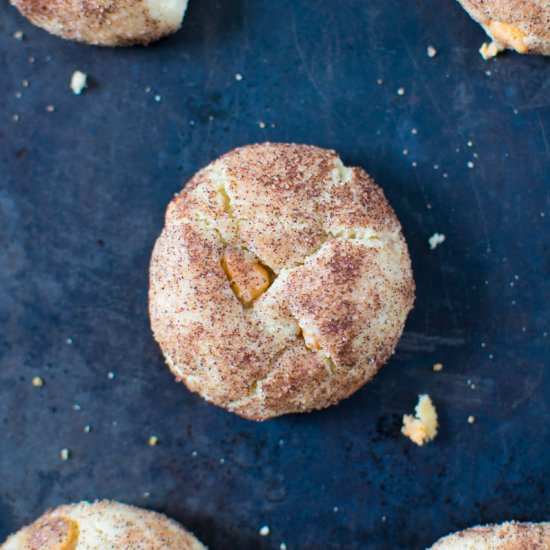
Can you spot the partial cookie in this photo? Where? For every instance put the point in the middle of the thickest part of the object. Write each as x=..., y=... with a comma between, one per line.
x=101, y=525
x=106, y=22
x=281, y=281
x=521, y=25
x=507, y=536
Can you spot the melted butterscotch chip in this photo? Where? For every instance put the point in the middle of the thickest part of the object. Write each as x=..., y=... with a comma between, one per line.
x=52, y=533
x=509, y=35
x=248, y=278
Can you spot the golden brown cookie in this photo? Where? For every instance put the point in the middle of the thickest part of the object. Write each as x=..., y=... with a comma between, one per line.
x=507, y=536
x=101, y=525
x=105, y=22
x=281, y=281
x=521, y=25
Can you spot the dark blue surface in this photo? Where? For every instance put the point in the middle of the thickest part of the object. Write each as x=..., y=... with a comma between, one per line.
x=82, y=195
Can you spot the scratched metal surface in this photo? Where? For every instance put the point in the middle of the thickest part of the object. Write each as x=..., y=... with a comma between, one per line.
x=82, y=195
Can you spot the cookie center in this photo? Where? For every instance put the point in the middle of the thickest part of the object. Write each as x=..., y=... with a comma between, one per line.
x=53, y=533
x=248, y=278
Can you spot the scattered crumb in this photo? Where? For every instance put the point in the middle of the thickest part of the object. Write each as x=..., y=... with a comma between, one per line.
x=405, y=151
x=422, y=427
x=15, y=117
x=379, y=82
x=471, y=419
x=335, y=509
x=264, y=531
x=238, y=76
x=37, y=382
x=438, y=367
x=282, y=546
x=31, y=59
x=25, y=83
x=87, y=429
x=69, y=341
x=147, y=89
x=18, y=35
x=400, y=91
x=194, y=453
x=487, y=51
x=470, y=164
x=76, y=407
x=261, y=124
x=64, y=454
x=146, y=494
x=153, y=441
x=158, y=98
x=435, y=240
x=431, y=51
x=111, y=375
x=50, y=108
x=414, y=131
x=79, y=82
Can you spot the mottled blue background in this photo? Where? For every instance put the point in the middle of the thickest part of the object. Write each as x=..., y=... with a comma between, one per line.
x=82, y=195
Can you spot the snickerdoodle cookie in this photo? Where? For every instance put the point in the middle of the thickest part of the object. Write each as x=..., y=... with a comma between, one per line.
x=105, y=22
x=101, y=525
x=281, y=281
x=521, y=25
x=507, y=536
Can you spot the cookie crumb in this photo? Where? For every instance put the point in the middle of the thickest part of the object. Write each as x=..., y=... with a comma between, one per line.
x=158, y=98
x=18, y=35
x=471, y=419
x=422, y=427
x=264, y=530
x=379, y=81
x=50, y=109
x=261, y=124
x=37, y=382
x=438, y=367
x=282, y=546
x=64, y=454
x=435, y=240
x=79, y=82
x=111, y=375
x=153, y=441
x=431, y=51
x=490, y=50
x=400, y=91
x=87, y=429
x=238, y=77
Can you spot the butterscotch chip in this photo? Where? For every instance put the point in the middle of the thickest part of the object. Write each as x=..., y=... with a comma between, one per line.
x=105, y=22
x=520, y=25
x=507, y=536
x=281, y=281
x=102, y=525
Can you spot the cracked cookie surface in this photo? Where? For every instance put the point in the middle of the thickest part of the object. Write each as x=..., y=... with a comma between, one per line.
x=101, y=525
x=314, y=295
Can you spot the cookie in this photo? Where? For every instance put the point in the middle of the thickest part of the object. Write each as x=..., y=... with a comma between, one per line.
x=507, y=536
x=281, y=281
x=521, y=25
x=105, y=22
x=100, y=525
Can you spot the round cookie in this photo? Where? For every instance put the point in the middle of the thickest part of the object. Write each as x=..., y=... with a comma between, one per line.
x=105, y=22
x=521, y=25
x=101, y=525
x=281, y=281
x=507, y=536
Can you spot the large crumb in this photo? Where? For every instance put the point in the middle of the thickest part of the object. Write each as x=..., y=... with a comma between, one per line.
x=490, y=50
x=422, y=427
x=79, y=82
x=435, y=240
